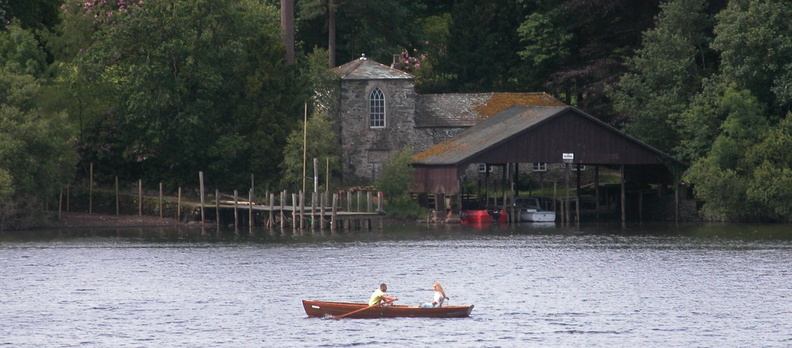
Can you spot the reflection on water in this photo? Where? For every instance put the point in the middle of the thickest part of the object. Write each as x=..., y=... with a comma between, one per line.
x=533, y=285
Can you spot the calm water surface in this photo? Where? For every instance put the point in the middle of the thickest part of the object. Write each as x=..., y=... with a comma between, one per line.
x=653, y=285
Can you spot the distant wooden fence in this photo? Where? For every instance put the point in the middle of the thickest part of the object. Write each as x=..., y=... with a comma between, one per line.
x=282, y=210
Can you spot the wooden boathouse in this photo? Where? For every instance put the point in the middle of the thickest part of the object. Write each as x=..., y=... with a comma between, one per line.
x=549, y=134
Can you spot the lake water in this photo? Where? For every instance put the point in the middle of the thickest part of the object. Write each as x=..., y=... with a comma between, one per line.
x=599, y=285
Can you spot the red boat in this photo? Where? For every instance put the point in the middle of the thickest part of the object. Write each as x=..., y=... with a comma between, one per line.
x=475, y=217
x=364, y=311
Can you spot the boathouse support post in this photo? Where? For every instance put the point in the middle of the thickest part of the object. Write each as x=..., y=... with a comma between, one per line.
x=201, y=184
x=368, y=201
x=379, y=202
x=640, y=205
x=623, y=196
x=577, y=195
x=359, y=195
x=566, y=195
x=596, y=192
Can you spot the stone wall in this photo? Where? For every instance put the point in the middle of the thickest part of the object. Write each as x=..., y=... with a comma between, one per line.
x=364, y=148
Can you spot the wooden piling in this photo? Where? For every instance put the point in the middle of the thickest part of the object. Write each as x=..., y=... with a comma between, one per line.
x=333, y=214
x=349, y=200
x=302, y=210
x=322, y=203
x=217, y=208
x=282, y=213
x=118, y=204
x=140, y=197
x=201, y=184
x=236, y=212
x=178, y=206
x=270, y=221
x=160, y=199
x=294, y=211
x=90, y=189
x=250, y=207
x=313, y=210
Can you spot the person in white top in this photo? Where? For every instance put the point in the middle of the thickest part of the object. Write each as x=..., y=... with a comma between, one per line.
x=439, y=297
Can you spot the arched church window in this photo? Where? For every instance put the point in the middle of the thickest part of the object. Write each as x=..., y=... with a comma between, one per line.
x=376, y=108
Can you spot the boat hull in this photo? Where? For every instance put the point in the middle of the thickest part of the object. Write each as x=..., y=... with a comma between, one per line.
x=326, y=309
x=537, y=216
x=484, y=216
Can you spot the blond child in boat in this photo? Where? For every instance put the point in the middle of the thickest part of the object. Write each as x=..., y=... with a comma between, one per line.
x=439, y=297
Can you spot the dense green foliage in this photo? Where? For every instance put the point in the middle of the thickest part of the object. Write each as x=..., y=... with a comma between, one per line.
x=195, y=86
x=665, y=73
x=36, y=158
x=394, y=182
x=162, y=89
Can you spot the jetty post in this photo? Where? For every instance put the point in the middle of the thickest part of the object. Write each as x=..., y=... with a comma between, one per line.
x=333, y=214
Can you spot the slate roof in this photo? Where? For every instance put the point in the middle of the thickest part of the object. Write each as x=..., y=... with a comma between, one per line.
x=517, y=120
x=485, y=134
x=468, y=109
x=366, y=69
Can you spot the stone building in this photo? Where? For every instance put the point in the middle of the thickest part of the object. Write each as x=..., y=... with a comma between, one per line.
x=379, y=114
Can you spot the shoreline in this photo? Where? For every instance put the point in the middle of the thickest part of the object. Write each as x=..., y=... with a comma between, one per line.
x=80, y=220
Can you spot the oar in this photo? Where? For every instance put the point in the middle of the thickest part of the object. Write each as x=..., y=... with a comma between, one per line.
x=360, y=310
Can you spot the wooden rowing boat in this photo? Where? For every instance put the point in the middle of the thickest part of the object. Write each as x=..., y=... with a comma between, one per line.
x=334, y=309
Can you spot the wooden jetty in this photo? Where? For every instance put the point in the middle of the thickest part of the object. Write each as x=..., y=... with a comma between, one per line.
x=294, y=213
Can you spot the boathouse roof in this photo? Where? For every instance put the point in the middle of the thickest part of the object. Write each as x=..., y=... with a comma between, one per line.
x=528, y=134
x=468, y=109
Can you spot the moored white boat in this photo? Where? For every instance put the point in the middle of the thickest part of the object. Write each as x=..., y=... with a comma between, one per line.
x=531, y=210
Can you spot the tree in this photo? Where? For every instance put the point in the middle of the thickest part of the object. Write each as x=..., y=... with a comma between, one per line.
x=322, y=144
x=723, y=177
x=481, y=54
x=20, y=51
x=287, y=24
x=772, y=184
x=375, y=28
x=754, y=40
x=396, y=176
x=196, y=86
x=36, y=155
x=318, y=138
x=395, y=181
x=665, y=74
x=31, y=14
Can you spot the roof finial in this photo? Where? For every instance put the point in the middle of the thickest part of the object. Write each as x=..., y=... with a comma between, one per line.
x=362, y=56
